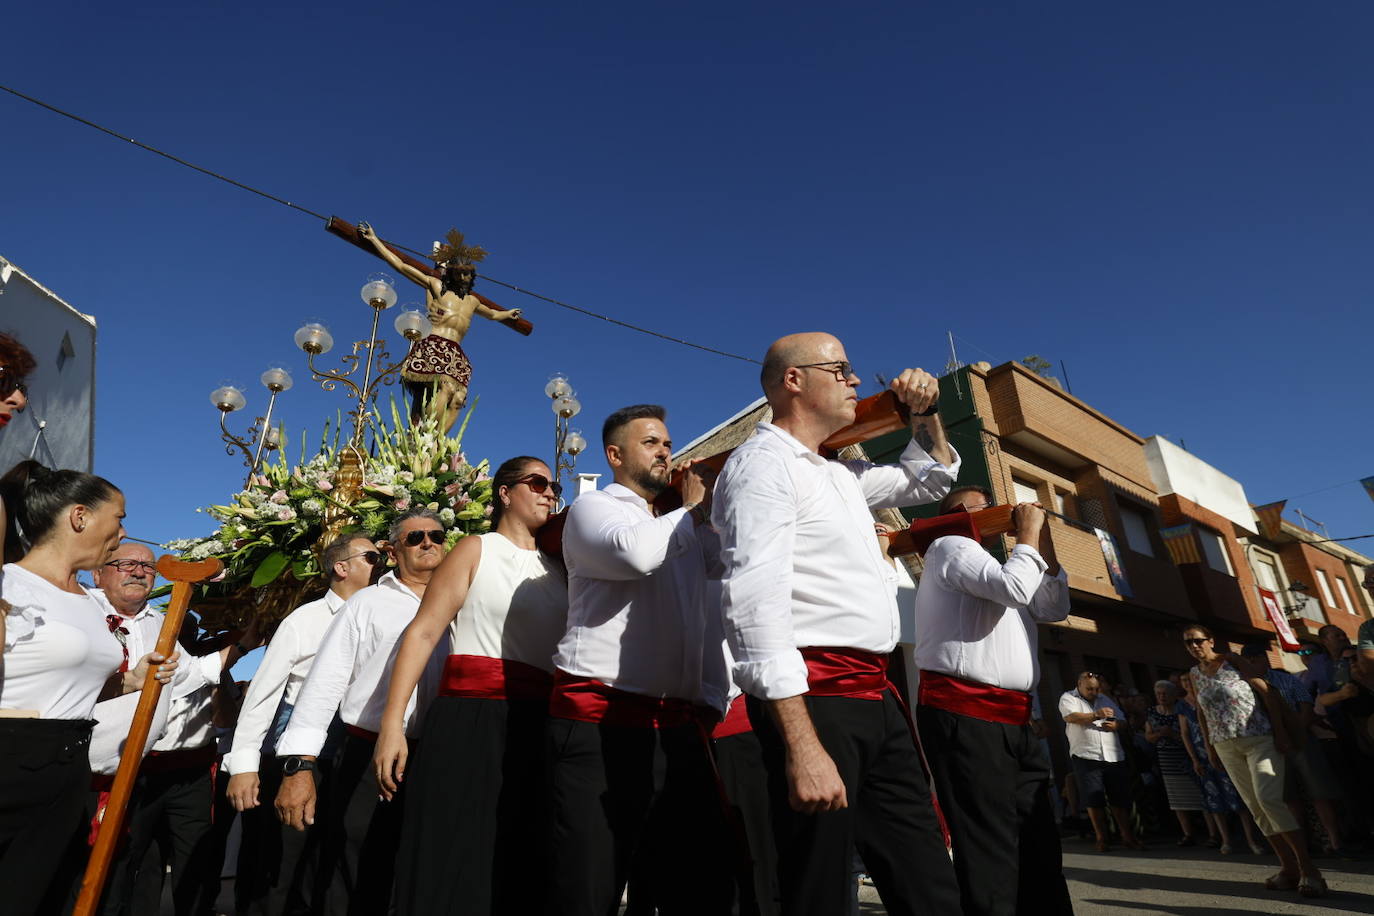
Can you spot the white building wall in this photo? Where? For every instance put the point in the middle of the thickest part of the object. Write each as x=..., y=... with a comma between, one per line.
x=1177, y=471
x=62, y=387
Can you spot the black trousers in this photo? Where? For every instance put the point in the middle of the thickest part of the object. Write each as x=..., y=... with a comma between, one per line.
x=278, y=867
x=477, y=843
x=890, y=819
x=45, y=776
x=739, y=758
x=642, y=799
x=359, y=836
x=169, y=822
x=993, y=781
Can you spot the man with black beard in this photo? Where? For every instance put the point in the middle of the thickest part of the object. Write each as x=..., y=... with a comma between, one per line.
x=641, y=678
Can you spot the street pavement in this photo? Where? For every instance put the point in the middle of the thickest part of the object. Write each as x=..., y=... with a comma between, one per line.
x=1192, y=882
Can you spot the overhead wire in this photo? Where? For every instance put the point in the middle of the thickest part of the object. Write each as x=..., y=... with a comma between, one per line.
x=320, y=216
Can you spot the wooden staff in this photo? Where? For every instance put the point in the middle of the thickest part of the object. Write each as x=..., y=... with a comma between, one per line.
x=349, y=233
x=182, y=574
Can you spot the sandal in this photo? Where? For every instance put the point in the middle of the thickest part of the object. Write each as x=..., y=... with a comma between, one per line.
x=1212, y=842
x=1186, y=840
x=1225, y=849
x=1257, y=849
x=1280, y=882
x=1102, y=846
x=1312, y=886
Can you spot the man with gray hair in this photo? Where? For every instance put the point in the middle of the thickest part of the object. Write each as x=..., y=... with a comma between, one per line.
x=351, y=676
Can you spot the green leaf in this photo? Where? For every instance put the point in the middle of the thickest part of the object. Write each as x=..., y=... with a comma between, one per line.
x=269, y=569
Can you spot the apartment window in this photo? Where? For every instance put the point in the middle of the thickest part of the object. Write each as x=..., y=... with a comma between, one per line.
x=1215, y=551
x=1325, y=584
x=1137, y=526
x=1266, y=572
x=1025, y=491
x=1345, y=595
x=1063, y=503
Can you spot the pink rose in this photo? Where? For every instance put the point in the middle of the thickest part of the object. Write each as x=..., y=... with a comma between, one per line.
x=286, y=514
x=323, y=485
x=278, y=497
x=401, y=505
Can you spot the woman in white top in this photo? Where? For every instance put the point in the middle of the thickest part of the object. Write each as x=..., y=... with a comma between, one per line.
x=60, y=658
x=472, y=840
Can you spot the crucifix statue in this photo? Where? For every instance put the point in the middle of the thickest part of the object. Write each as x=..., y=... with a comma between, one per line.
x=437, y=372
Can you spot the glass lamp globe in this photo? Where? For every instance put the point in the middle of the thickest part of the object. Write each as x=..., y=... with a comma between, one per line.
x=276, y=380
x=314, y=338
x=412, y=324
x=574, y=444
x=558, y=386
x=272, y=438
x=567, y=406
x=227, y=398
x=379, y=293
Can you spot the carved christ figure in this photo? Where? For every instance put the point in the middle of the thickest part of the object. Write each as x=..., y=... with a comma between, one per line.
x=437, y=371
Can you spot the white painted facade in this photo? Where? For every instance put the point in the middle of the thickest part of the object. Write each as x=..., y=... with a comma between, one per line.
x=58, y=428
x=1179, y=472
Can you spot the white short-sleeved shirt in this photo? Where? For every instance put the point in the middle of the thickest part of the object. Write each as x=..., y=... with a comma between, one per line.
x=516, y=607
x=1090, y=742
x=59, y=651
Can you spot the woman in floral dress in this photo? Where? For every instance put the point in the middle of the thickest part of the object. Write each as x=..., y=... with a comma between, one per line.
x=1250, y=743
x=1219, y=795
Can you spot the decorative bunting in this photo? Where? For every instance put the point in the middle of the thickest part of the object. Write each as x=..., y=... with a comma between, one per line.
x=1271, y=518
x=1368, y=483
x=1112, y=557
x=1182, y=543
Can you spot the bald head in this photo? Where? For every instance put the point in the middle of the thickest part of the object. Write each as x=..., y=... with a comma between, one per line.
x=796, y=350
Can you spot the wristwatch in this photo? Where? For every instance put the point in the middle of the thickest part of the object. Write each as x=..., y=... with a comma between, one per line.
x=292, y=765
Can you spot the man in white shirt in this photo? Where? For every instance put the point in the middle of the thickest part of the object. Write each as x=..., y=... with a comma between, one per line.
x=350, y=677
x=811, y=615
x=274, y=863
x=1091, y=722
x=640, y=680
x=174, y=792
x=976, y=650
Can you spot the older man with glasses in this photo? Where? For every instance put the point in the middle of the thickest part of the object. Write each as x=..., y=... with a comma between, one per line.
x=274, y=863
x=175, y=790
x=350, y=677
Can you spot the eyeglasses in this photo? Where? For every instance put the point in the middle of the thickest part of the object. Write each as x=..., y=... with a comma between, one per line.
x=1195, y=642
x=416, y=538
x=841, y=369
x=539, y=483
x=9, y=384
x=128, y=566
x=373, y=557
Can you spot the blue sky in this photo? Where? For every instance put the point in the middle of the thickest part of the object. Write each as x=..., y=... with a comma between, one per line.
x=1174, y=199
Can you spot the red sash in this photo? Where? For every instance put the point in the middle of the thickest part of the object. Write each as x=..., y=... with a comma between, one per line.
x=969, y=698
x=362, y=733
x=585, y=699
x=862, y=675
x=493, y=679
x=853, y=673
x=736, y=721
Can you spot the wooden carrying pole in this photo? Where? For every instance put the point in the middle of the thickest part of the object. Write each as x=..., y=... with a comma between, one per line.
x=349, y=233
x=182, y=574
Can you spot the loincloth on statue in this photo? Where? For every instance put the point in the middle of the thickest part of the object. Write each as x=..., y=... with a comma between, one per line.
x=435, y=358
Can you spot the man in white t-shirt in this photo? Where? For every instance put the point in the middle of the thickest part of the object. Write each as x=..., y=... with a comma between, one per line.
x=1091, y=723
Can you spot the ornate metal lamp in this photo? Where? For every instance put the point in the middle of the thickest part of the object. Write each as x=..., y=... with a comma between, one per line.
x=261, y=435
x=568, y=443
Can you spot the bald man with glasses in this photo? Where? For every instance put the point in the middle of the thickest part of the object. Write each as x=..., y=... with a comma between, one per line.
x=270, y=876
x=810, y=604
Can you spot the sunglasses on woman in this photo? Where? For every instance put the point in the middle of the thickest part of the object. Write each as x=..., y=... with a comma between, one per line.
x=538, y=483
x=416, y=538
x=1195, y=642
